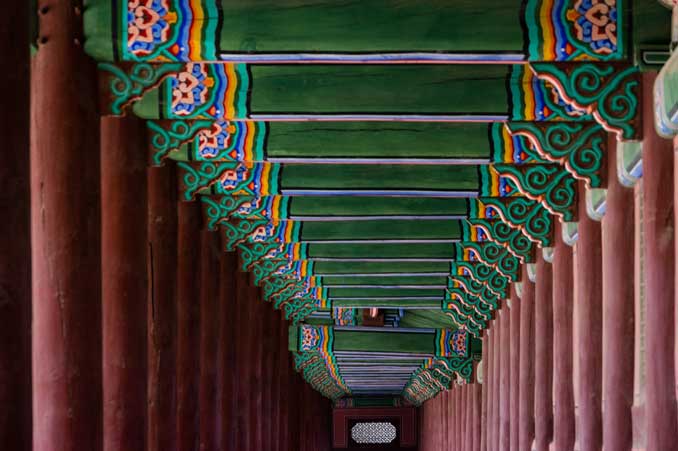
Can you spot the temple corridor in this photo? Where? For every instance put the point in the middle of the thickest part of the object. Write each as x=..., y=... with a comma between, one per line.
x=315, y=225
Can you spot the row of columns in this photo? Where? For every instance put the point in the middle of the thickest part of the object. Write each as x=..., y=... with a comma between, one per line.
x=145, y=336
x=452, y=420
x=559, y=364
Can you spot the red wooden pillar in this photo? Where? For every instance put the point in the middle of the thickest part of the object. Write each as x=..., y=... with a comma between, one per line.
x=447, y=414
x=226, y=359
x=618, y=310
x=257, y=356
x=285, y=379
x=162, y=308
x=589, y=322
x=543, y=361
x=527, y=348
x=496, y=380
x=124, y=284
x=482, y=419
x=468, y=417
x=269, y=413
x=515, y=368
x=209, y=330
x=66, y=236
x=658, y=188
x=563, y=303
x=477, y=408
x=489, y=442
x=15, y=232
x=505, y=382
x=244, y=361
x=457, y=415
x=188, y=324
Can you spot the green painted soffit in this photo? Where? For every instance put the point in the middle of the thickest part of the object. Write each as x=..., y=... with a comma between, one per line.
x=368, y=25
x=387, y=303
x=325, y=267
x=404, y=280
x=383, y=342
x=365, y=205
x=382, y=229
x=377, y=139
x=385, y=292
x=427, y=319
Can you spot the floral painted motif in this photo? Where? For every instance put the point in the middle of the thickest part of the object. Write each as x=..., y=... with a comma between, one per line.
x=595, y=22
x=190, y=89
x=234, y=178
x=309, y=338
x=459, y=342
x=216, y=138
x=149, y=24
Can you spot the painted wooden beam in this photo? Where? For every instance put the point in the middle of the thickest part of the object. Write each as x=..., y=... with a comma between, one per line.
x=66, y=239
x=124, y=249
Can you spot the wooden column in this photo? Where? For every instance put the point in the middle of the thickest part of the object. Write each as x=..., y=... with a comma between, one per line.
x=66, y=236
x=515, y=368
x=489, y=430
x=543, y=360
x=162, y=308
x=482, y=420
x=477, y=408
x=188, y=324
x=527, y=348
x=496, y=383
x=618, y=310
x=284, y=359
x=225, y=351
x=505, y=382
x=15, y=232
x=447, y=417
x=243, y=361
x=124, y=283
x=269, y=340
x=658, y=188
x=563, y=303
x=257, y=357
x=589, y=319
x=209, y=330
x=468, y=408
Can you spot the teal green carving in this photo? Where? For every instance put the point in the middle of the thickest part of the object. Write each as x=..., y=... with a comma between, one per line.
x=529, y=216
x=168, y=136
x=551, y=185
x=578, y=146
x=495, y=255
x=128, y=82
x=610, y=92
x=510, y=238
x=485, y=275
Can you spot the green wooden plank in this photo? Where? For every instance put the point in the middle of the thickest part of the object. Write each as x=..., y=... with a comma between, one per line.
x=381, y=230
x=394, y=250
x=377, y=140
x=384, y=292
x=374, y=206
x=380, y=267
x=383, y=342
x=373, y=89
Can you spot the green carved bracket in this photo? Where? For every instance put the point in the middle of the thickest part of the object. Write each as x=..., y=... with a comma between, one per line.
x=457, y=295
x=580, y=147
x=507, y=237
x=123, y=84
x=476, y=289
x=483, y=274
x=550, y=185
x=527, y=215
x=494, y=255
x=608, y=91
x=166, y=137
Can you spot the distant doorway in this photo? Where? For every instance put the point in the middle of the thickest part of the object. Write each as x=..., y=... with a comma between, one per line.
x=374, y=434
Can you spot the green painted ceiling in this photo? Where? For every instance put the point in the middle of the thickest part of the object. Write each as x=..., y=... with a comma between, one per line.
x=351, y=172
